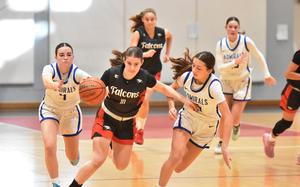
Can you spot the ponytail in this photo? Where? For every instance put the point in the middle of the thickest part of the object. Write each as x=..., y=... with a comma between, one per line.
x=181, y=65
x=119, y=58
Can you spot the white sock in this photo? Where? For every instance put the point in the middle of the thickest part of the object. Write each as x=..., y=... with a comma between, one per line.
x=140, y=123
x=55, y=180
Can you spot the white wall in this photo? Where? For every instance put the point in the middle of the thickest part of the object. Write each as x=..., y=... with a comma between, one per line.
x=106, y=26
x=297, y=24
x=16, y=46
x=93, y=34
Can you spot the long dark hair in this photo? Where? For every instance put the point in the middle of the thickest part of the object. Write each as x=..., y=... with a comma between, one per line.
x=121, y=57
x=181, y=65
x=232, y=18
x=137, y=19
x=63, y=44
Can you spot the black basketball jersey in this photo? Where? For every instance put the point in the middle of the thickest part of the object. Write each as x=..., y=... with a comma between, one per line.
x=296, y=60
x=125, y=97
x=153, y=65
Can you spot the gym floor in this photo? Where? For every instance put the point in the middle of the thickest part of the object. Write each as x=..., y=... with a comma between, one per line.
x=22, y=155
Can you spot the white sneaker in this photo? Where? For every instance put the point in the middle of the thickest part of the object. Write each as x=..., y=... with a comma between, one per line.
x=268, y=145
x=218, y=149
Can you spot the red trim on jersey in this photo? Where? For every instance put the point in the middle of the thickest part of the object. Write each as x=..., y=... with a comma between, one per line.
x=98, y=126
x=125, y=142
x=284, y=99
x=158, y=76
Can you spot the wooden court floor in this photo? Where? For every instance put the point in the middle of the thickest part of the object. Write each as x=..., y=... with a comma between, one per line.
x=22, y=157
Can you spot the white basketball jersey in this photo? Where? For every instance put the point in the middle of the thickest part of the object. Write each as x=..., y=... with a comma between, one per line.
x=68, y=95
x=230, y=53
x=207, y=96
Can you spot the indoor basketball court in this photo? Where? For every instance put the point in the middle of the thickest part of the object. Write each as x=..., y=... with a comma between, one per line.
x=53, y=50
x=22, y=146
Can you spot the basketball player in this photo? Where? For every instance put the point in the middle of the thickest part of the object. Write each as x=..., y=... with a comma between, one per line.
x=151, y=40
x=59, y=111
x=233, y=54
x=194, y=130
x=290, y=102
x=115, y=120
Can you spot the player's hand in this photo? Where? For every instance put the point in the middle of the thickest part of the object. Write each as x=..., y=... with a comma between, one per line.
x=226, y=156
x=57, y=85
x=89, y=78
x=149, y=53
x=85, y=78
x=192, y=105
x=172, y=113
x=166, y=58
x=241, y=59
x=270, y=81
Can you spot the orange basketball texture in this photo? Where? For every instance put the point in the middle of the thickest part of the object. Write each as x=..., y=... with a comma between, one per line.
x=92, y=91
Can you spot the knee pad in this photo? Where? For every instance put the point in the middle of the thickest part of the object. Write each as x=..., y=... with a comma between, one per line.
x=281, y=126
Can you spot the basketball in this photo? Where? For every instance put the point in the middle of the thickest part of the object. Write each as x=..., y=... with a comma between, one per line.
x=92, y=91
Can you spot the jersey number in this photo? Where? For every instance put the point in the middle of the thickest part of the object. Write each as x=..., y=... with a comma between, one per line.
x=123, y=101
x=64, y=96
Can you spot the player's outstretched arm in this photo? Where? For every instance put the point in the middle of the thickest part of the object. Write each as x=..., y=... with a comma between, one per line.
x=170, y=92
x=226, y=131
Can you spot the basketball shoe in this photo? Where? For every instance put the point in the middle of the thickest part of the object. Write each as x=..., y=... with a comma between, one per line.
x=268, y=145
x=139, y=137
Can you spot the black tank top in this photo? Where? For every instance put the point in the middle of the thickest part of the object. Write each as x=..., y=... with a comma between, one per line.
x=153, y=65
x=296, y=60
x=125, y=97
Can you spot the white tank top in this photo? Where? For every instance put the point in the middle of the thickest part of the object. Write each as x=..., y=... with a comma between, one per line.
x=207, y=96
x=68, y=95
x=231, y=53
